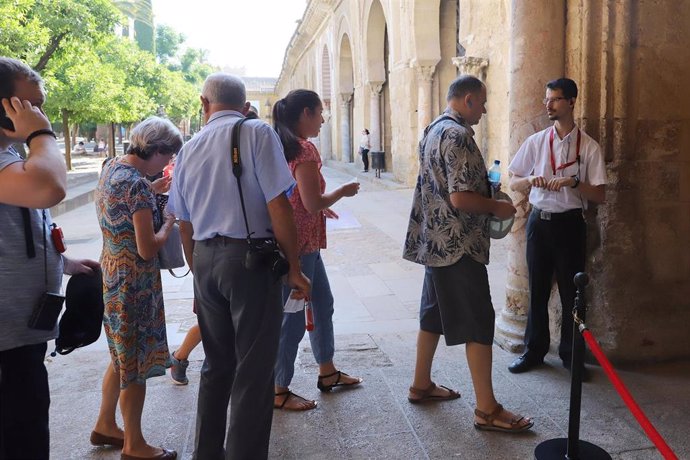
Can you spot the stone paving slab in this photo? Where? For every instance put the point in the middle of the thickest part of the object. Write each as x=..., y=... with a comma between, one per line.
x=376, y=300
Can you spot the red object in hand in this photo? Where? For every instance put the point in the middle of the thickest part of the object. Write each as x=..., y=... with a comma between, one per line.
x=168, y=170
x=308, y=316
x=58, y=238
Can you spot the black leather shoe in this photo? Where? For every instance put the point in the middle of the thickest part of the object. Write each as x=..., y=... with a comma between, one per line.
x=524, y=363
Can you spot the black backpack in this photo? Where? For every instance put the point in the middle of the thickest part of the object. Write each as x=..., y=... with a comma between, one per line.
x=81, y=323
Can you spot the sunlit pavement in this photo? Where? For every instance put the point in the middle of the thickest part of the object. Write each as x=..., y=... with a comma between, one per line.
x=376, y=301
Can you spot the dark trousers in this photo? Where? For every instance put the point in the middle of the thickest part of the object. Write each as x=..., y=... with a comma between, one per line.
x=555, y=246
x=365, y=158
x=239, y=313
x=24, y=403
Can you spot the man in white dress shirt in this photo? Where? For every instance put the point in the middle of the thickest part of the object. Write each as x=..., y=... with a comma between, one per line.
x=565, y=169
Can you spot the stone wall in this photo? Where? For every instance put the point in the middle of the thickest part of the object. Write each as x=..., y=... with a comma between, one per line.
x=636, y=65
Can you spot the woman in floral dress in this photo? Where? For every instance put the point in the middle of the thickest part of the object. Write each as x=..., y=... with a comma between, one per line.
x=134, y=320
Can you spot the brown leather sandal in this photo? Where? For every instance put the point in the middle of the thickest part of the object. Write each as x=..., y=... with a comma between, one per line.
x=515, y=425
x=424, y=395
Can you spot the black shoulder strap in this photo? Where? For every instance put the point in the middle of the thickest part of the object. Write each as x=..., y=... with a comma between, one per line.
x=28, y=234
x=439, y=120
x=237, y=168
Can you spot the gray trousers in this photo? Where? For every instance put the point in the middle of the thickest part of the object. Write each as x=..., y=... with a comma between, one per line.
x=239, y=313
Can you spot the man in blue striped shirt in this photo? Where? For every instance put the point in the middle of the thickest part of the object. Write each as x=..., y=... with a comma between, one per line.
x=239, y=308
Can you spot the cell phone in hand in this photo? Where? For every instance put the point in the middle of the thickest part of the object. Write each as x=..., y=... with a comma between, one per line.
x=5, y=122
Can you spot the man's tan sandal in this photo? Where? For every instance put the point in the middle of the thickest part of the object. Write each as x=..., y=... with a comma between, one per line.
x=423, y=395
x=289, y=394
x=517, y=425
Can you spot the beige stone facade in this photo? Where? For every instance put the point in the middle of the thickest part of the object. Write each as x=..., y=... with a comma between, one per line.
x=386, y=64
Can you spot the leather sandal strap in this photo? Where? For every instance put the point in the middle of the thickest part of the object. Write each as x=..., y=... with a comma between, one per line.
x=423, y=393
x=330, y=375
x=287, y=395
x=489, y=417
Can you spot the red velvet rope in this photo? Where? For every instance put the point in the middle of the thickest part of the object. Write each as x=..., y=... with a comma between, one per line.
x=627, y=397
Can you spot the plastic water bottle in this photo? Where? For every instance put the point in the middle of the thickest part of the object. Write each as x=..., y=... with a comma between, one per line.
x=308, y=316
x=495, y=176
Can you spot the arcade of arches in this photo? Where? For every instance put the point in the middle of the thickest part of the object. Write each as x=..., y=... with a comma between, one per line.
x=385, y=65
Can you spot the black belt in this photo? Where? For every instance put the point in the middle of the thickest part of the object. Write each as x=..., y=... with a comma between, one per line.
x=552, y=216
x=230, y=240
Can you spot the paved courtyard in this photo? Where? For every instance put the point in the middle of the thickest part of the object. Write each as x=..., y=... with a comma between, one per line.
x=376, y=300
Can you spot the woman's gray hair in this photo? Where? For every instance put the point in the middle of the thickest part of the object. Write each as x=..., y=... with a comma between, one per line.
x=223, y=88
x=153, y=135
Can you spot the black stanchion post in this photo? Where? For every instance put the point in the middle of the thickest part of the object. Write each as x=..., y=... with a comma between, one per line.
x=581, y=281
x=573, y=448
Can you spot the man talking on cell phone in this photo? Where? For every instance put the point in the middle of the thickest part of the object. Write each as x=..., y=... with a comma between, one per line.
x=30, y=265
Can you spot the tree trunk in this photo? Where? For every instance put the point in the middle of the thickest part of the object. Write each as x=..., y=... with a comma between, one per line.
x=111, y=141
x=75, y=133
x=65, y=134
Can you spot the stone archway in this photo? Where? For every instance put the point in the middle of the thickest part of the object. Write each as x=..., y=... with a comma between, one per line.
x=377, y=52
x=345, y=93
x=326, y=94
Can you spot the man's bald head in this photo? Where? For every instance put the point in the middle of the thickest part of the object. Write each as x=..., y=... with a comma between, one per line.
x=225, y=90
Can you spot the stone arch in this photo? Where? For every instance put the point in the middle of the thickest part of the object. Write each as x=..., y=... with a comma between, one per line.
x=377, y=53
x=375, y=32
x=426, y=33
x=344, y=96
x=326, y=77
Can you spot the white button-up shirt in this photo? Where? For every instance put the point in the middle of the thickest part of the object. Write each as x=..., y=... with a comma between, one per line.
x=534, y=159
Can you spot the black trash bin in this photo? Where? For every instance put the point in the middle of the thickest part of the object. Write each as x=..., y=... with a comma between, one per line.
x=378, y=161
x=125, y=146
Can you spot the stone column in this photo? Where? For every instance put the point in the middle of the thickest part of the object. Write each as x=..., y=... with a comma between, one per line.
x=425, y=79
x=375, y=114
x=476, y=66
x=325, y=135
x=345, y=139
x=537, y=55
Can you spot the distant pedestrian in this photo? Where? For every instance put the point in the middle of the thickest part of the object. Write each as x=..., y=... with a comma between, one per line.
x=364, y=146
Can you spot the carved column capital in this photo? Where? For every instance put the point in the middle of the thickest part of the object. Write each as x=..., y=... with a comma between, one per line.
x=425, y=73
x=470, y=65
x=345, y=99
x=375, y=87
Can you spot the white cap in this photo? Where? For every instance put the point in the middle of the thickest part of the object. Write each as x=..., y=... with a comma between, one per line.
x=499, y=228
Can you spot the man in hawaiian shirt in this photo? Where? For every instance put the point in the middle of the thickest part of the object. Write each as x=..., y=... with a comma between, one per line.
x=448, y=233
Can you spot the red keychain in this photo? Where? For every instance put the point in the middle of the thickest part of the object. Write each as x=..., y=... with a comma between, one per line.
x=308, y=315
x=58, y=238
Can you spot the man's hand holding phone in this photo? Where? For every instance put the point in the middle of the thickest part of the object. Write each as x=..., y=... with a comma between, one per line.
x=24, y=118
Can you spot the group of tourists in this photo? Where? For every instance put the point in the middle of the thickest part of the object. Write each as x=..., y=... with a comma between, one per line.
x=251, y=205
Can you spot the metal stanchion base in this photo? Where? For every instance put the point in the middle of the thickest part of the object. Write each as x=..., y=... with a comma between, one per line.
x=556, y=449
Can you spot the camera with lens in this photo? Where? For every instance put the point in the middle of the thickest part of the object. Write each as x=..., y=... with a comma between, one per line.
x=266, y=254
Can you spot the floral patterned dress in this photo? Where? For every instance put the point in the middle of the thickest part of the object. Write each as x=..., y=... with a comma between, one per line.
x=134, y=318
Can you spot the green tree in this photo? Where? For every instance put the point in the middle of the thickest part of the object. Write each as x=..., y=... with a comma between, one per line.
x=168, y=43
x=38, y=30
x=194, y=65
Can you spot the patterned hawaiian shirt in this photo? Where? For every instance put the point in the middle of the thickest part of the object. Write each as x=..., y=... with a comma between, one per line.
x=438, y=234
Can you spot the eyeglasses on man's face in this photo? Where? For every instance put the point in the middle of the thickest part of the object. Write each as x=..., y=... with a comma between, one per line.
x=549, y=100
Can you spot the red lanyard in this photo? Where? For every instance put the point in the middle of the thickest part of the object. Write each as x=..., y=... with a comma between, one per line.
x=553, y=158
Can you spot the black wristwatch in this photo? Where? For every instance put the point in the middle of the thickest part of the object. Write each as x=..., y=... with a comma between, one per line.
x=577, y=181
